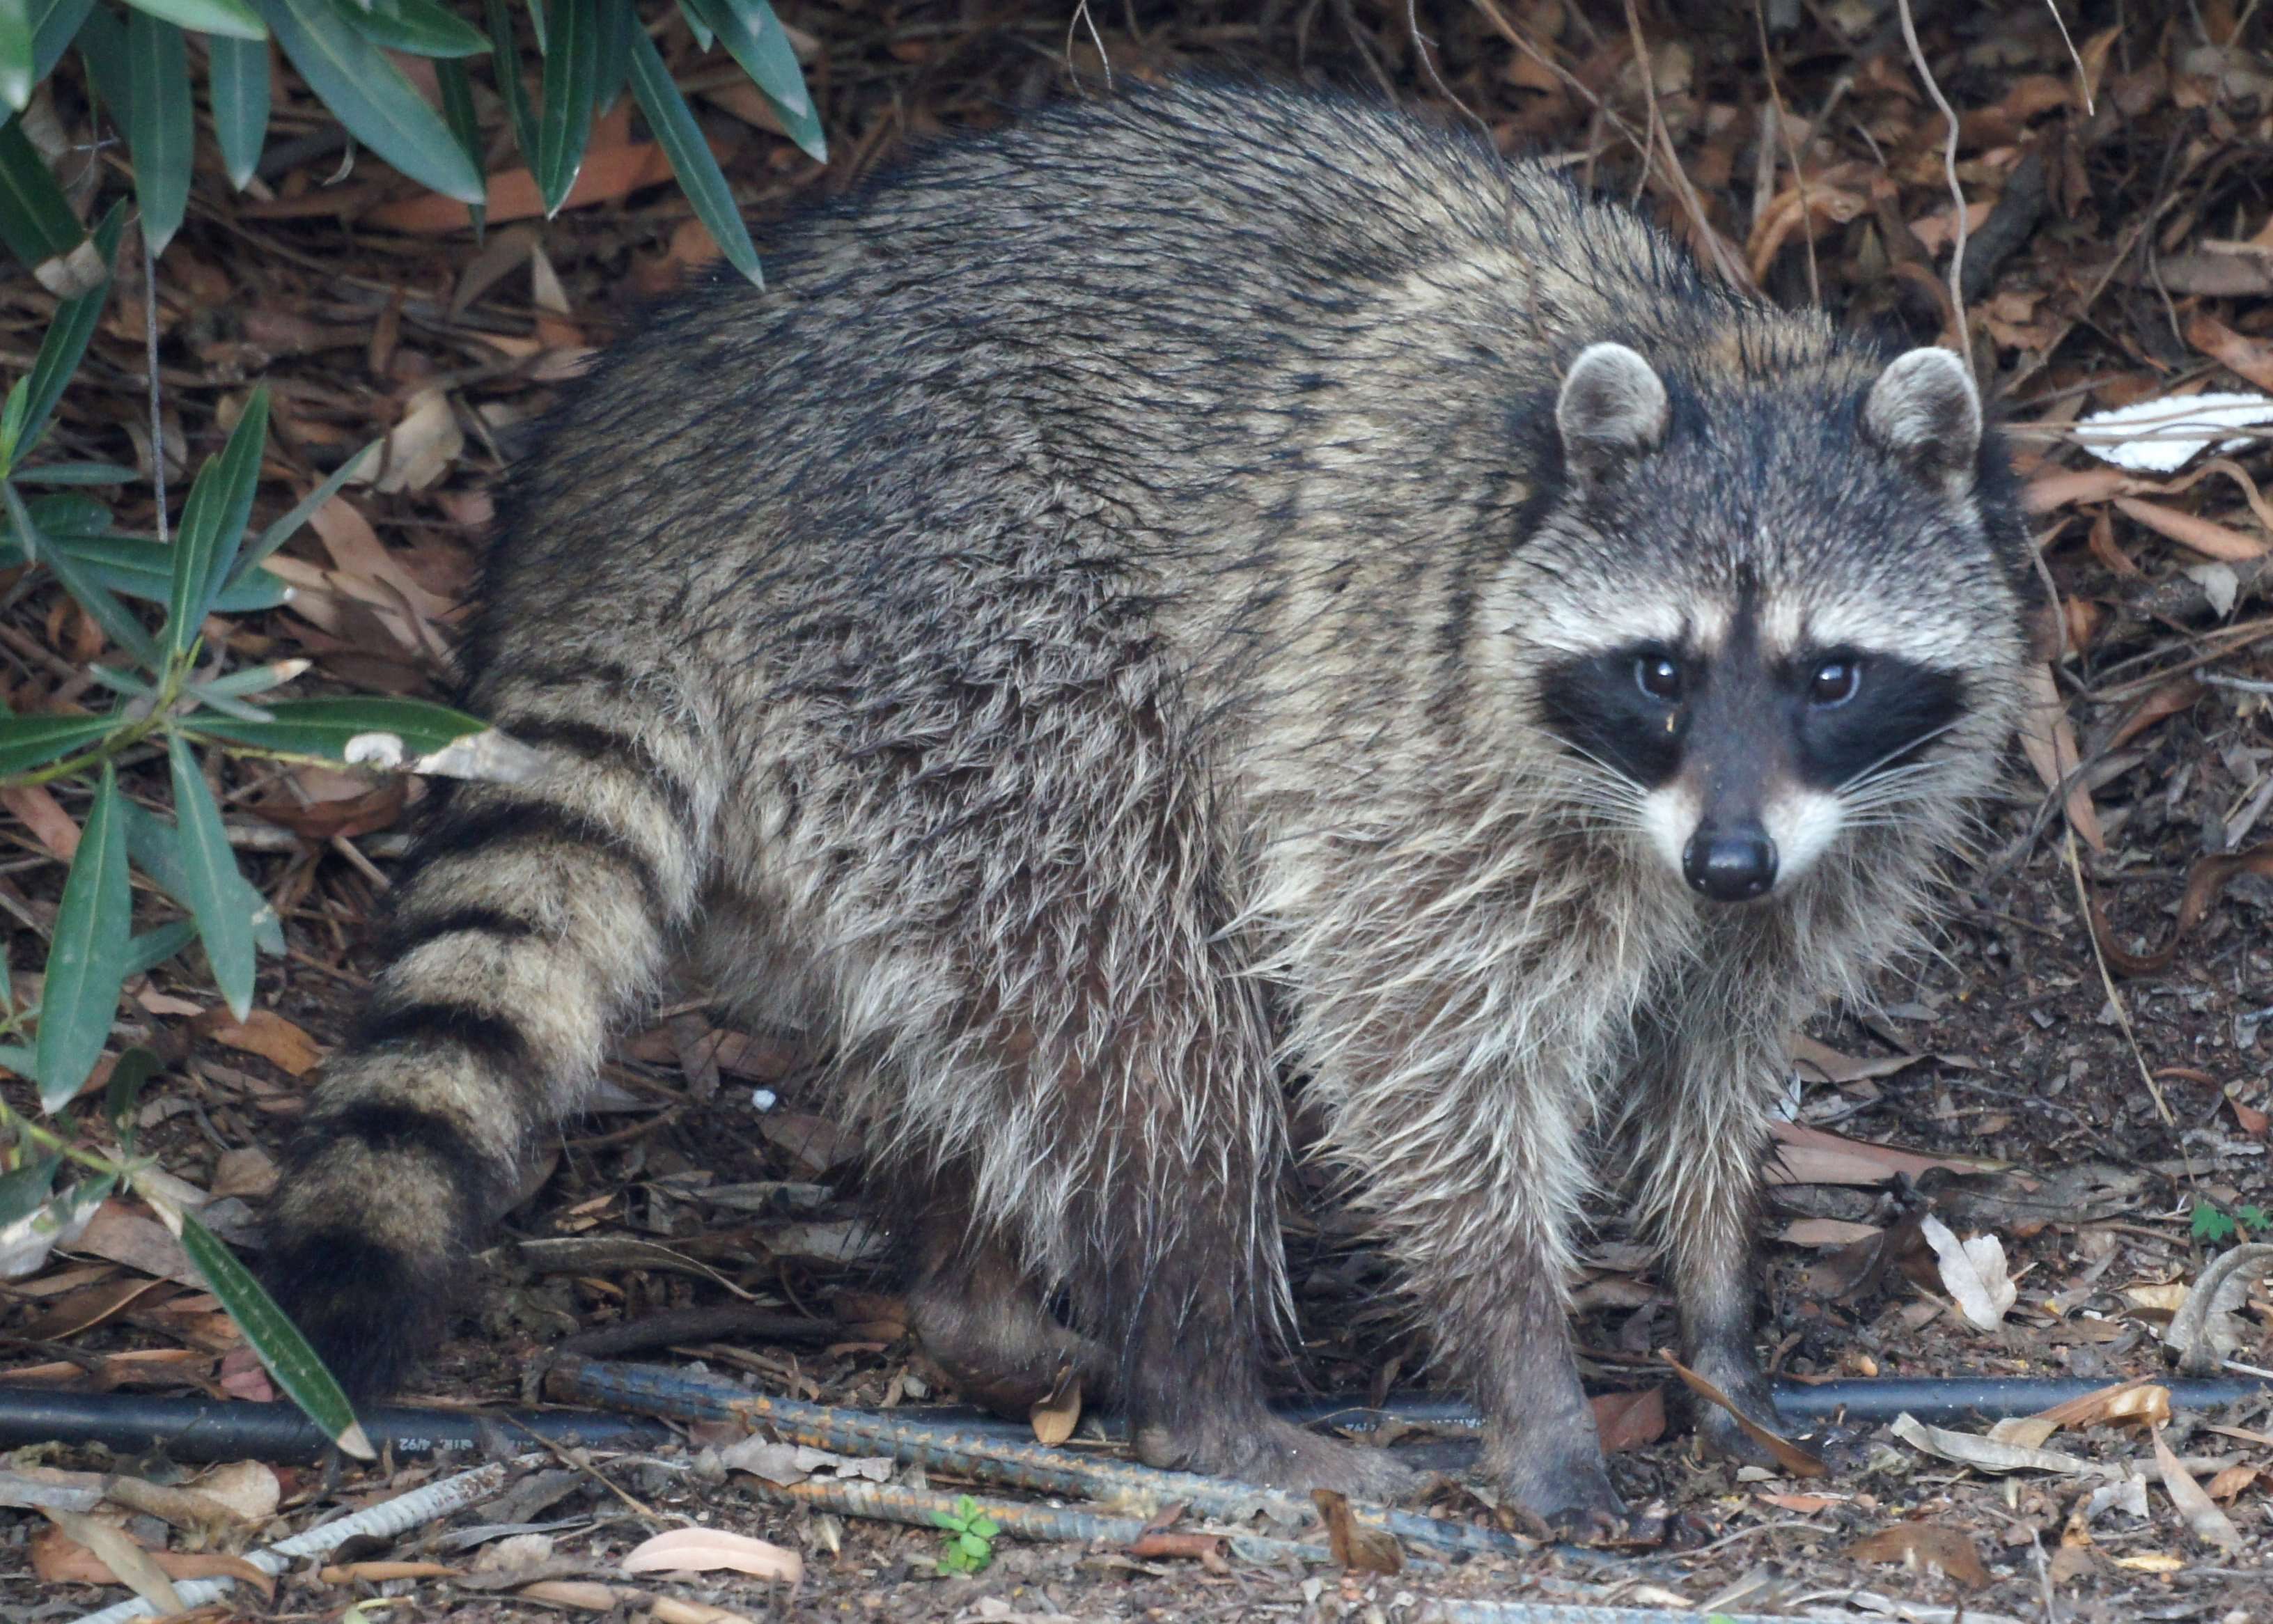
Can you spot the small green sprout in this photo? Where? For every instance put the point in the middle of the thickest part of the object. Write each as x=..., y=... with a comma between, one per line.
x=2213, y=1224
x=970, y=1544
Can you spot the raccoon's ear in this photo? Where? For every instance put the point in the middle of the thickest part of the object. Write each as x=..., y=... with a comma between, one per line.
x=1612, y=409
x=1925, y=411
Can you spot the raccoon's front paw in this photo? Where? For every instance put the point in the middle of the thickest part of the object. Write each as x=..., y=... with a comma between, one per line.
x=1568, y=1499
x=1274, y=1454
x=1721, y=1434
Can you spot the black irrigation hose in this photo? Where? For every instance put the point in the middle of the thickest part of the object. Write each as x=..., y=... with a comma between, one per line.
x=200, y=1429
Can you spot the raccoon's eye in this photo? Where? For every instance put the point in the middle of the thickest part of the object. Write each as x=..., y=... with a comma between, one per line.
x=1834, y=683
x=1659, y=676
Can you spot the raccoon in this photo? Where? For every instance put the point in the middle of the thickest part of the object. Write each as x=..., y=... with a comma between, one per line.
x=1210, y=591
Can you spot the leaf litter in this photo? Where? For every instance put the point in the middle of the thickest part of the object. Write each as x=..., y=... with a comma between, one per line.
x=2126, y=281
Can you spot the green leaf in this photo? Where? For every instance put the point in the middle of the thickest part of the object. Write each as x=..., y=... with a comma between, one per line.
x=504, y=66
x=12, y=418
x=159, y=126
x=37, y=221
x=617, y=24
x=154, y=846
x=753, y=36
x=29, y=742
x=152, y=948
x=68, y=334
x=86, y=959
x=54, y=23
x=124, y=1092
x=231, y=18
x=571, y=92
x=675, y=130
x=93, y=596
x=237, y=87
x=207, y=867
x=144, y=569
x=25, y=1191
x=457, y=87
x=419, y=27
x=213, y=524
x=277, y=534
x=75, y=473
x=16, y=75
x=324, y=726
x=370, y=96
x=986, y=1527
x=278, y=1342
x=2212, y=1222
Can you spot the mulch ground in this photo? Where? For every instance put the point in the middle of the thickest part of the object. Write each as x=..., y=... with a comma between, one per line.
x=2093, y=1096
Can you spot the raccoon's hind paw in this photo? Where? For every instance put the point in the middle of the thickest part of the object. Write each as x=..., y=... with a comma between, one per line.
x=1263, y=1450
x=370, y=1311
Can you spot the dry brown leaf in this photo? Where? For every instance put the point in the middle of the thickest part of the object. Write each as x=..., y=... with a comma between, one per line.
x=586, y=1595
x=2049, y=741
x=141, y=1243
x=1357, y=1547
x=2206, y=1326
x=2205, y=883
x=607, y=175
x=1925, y=1545
x=1807, y=1155
x=1827, y=1232
x=1205, y=1549
x=2171, y=698
x=704, y=1550
x=1788, y=1455
x=2250, y=358
x=2081, y=486
x=1055, y=1416
x=90, y=1552
x=2206, y=537
x=2209, y=1523
x=2229, y=1483
x=269, y=1035
x=1973, y=1272
x=375, y=1572
x=1802, y=1505
x=248, y=1490
x=248, y=1171
x=40, y=813
x=1983, y=1454
x=1630, y=1420
x=421, y=448
x=2139, y=1399
x=1823, y=1061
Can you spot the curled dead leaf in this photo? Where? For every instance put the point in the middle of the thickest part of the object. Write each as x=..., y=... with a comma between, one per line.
x=2202, y=1515
x=1358, y=1548
x=704, y=1550
x=1787, y=1454
x=1983, y=1454
x=1974, y=1272
x=1925, y=1545
x=2206, y=1329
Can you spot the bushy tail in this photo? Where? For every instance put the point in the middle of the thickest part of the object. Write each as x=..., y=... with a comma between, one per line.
x=529, y=919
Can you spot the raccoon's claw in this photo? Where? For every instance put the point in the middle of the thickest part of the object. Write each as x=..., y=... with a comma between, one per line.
x=1275, y=1454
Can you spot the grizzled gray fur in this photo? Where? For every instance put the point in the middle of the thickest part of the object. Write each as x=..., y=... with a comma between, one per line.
x=1202, y=593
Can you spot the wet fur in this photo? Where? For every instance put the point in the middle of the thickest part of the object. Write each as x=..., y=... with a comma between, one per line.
x=1072, y=644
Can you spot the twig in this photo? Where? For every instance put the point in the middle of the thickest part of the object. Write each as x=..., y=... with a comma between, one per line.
x=1734, y=271
x=2107, y=981
x=1949, y=173
x=1791, y=154
x=1429, y=65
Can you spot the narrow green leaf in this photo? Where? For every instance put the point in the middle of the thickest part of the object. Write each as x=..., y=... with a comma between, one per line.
x=24, y=1191
x=146, y=951
x=75, y=473
x=207, y=864
x=275, y=1339
x=16, y=75
x=93, y=596
x=154, y=846
x=12, y=418
x=159, y=130
x=505, y=67
x=37, y=221
x=237, y=87
x=753, y=37
x=324, y=726
x=231, y=18
x=68, y=333
x=124, y=1092
x=457, y=87
x=144, y=569
x=29, y=742
x=617, y=24
x=537, y=26
x=370, y=95
x=277, y=534
x=571, y=92
x=87, y=959
x=419, y=27
x=54, y=24
x=675, y=131
x=213, y=523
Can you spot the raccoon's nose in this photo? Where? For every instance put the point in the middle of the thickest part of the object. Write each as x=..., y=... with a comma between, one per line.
x=1729, y=865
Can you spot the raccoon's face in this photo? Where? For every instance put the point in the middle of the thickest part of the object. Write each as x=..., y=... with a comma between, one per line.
x=1760, y=633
